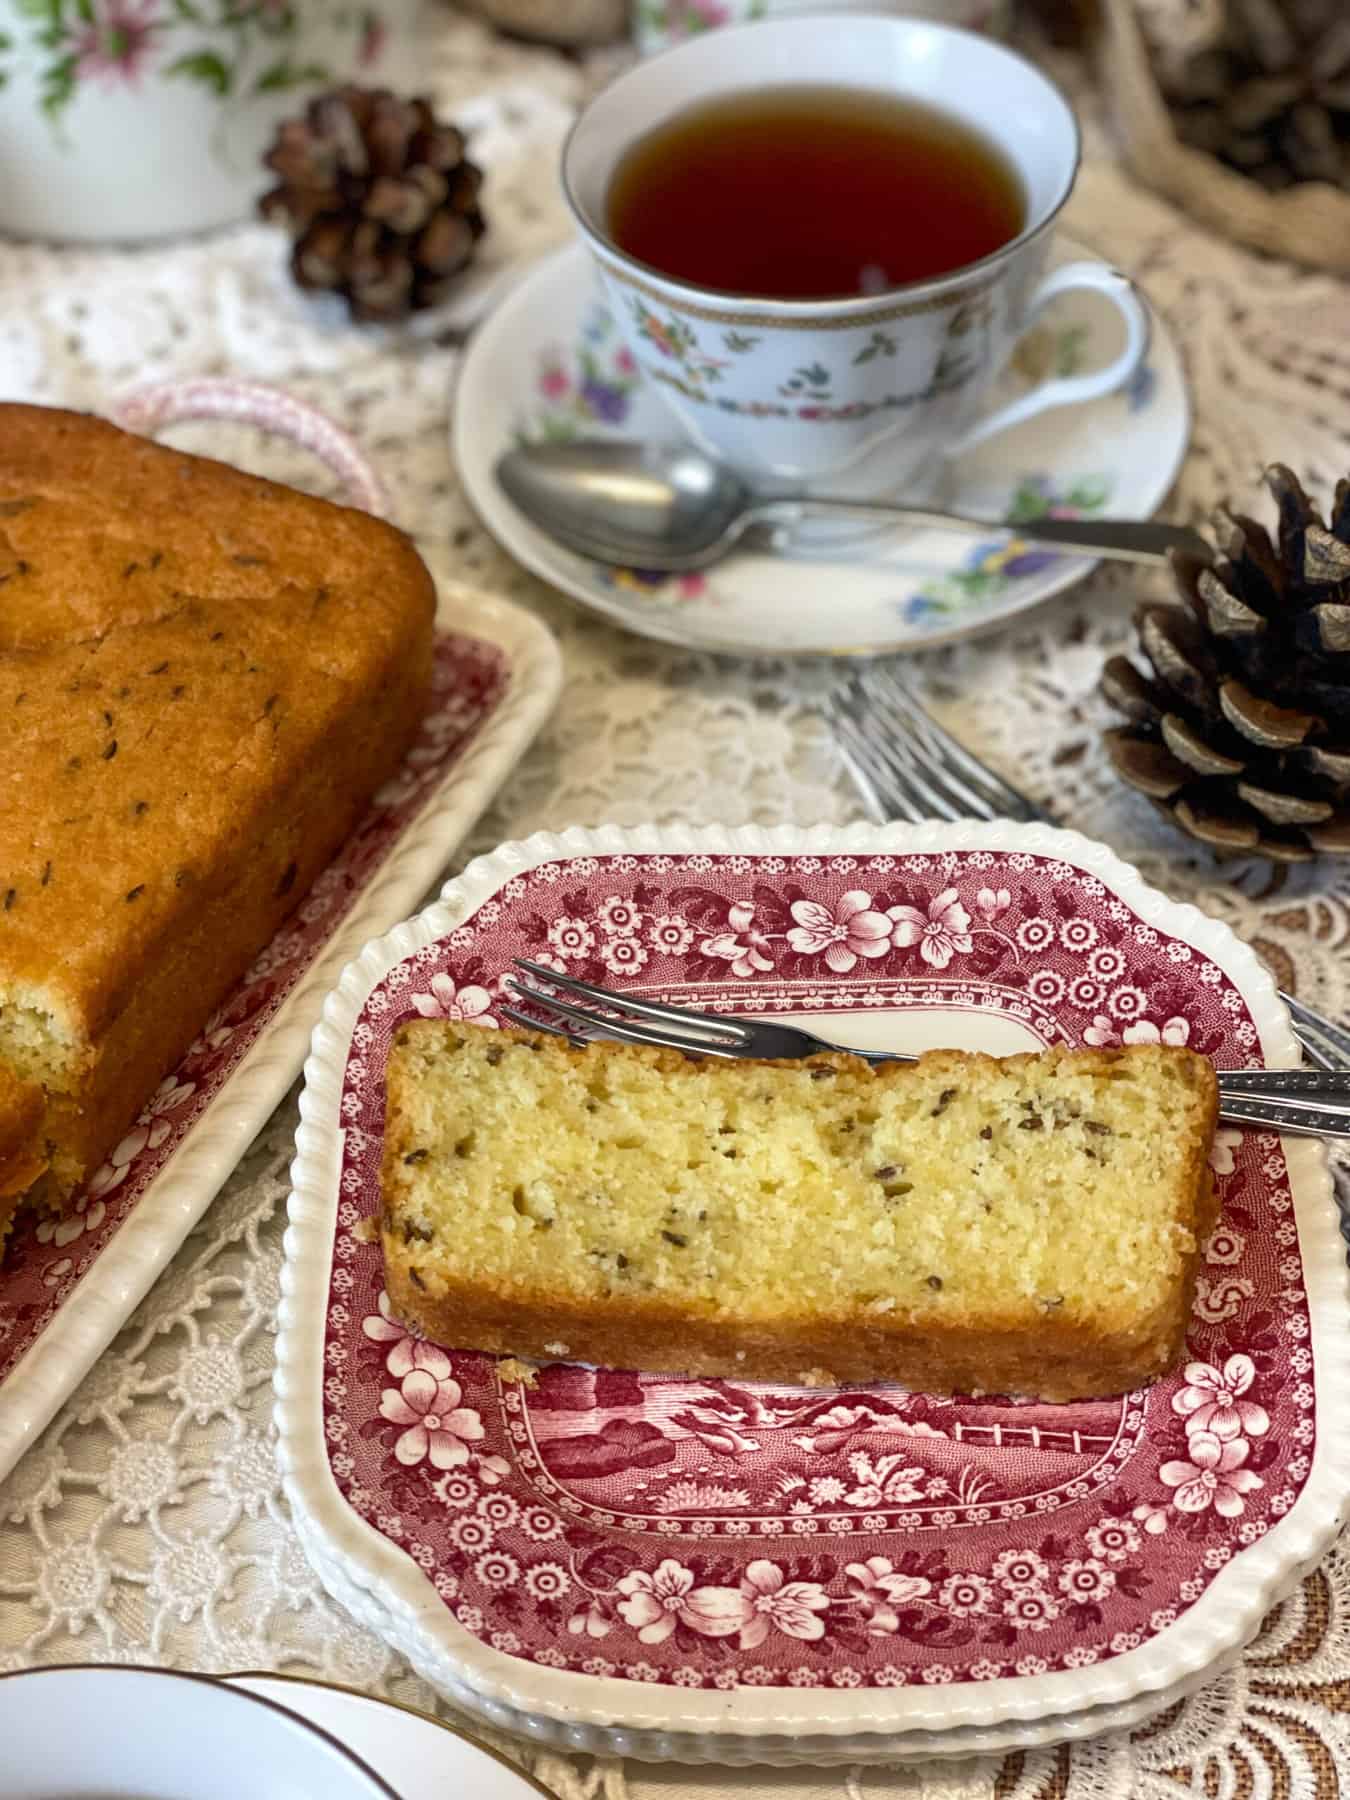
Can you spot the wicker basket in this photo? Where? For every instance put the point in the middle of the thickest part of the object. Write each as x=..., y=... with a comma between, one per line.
x=1309, y=223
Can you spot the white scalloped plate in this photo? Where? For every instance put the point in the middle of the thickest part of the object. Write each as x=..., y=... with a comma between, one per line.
x=66, y=1290
x=1135, y=1589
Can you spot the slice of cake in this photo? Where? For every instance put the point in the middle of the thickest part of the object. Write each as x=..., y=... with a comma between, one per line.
x=1025, y=1225
x=203, y=679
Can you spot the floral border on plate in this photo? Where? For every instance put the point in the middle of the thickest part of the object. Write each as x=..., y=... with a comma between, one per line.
x=445, y=1648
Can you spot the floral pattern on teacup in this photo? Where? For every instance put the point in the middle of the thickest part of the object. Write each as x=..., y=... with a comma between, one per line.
x=590, y=385
x=682, y=358
x=660, y=23
x=590, y=388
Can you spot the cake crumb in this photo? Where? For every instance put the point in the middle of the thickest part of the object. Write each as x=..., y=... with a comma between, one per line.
x=816, y=1378
x=515, y=1369
x=556, y=1350
x=367, y=1230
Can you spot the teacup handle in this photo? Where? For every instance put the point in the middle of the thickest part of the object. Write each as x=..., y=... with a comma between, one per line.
x=1072, y=390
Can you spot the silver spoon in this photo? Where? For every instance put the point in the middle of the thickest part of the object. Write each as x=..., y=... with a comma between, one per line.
x=669, y=508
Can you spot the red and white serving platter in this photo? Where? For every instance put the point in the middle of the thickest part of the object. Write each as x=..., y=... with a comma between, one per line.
x=68, y=1286
x=716, y=1570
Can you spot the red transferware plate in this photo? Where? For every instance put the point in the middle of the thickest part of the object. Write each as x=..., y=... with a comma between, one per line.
x=696, y=1558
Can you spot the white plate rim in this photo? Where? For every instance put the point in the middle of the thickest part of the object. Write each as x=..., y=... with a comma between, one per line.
x=553, y=565
x=57, y=1361
x=407, y=1611
x=248, y=1680
x=157, y=1676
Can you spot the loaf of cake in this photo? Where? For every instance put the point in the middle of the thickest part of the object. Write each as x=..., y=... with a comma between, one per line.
x=203, y=679
x=1024, y=1225
x=21, y=1152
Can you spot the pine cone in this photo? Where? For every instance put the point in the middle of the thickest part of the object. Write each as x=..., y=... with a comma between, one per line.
x=1242, y=732
x=1068, y=24
x=380, y=199
x=1272, y=96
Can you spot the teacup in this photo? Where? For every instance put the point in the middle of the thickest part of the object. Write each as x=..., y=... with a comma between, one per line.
x=865, y=395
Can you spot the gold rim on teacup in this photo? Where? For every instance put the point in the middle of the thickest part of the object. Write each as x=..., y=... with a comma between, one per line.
x=719, y=307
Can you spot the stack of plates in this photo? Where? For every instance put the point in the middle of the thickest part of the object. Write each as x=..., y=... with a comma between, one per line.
x=711, y=1571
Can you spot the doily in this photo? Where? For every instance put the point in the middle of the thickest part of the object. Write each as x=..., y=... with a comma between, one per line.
x=148, y=1524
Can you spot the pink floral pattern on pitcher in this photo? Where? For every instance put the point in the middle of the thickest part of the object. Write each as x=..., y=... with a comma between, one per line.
x=721, y=1534
x=227, y=49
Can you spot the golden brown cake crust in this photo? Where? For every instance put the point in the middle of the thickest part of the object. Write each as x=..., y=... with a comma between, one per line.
x=1060, y=1359
x=21, y=1156
x=161, y=617
x=203, y=678
x=1059, y=1363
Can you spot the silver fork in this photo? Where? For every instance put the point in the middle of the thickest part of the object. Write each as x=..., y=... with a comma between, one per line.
x=1302, y=1102
x=907, y=766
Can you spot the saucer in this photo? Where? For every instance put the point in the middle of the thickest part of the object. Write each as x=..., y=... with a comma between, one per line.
x=421, y=1757
x=549, y=364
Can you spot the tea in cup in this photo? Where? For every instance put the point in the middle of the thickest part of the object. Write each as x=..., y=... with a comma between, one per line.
x=823, y=237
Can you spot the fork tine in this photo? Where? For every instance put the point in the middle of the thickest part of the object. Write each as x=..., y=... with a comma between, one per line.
x=883, y=687
x=519, y=1018
x=1332, y=1038
x=929, y=797
x=1315, y=1054
x=667, y=1036
x=980, y=793
x=1008, y=799
x=941, y=804
x=629, y=1005
x=972, y=798
x=943, y=791
x=922, y=800
x=905, y=786
x=883, y=796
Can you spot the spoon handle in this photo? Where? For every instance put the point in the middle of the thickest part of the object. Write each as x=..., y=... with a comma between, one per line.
x=1127, y=540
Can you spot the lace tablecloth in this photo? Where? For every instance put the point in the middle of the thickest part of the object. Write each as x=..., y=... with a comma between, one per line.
x=148, y=1524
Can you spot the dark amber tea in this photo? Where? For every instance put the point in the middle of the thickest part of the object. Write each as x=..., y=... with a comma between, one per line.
x=812, y=193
